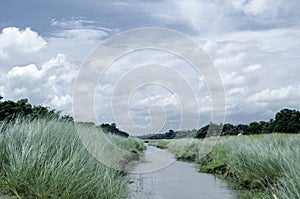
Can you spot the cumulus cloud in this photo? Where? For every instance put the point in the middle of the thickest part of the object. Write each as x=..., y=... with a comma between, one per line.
x=49, y=84
x=15, y=41
x=26, y=76
x=46, y=81
x=26, y=72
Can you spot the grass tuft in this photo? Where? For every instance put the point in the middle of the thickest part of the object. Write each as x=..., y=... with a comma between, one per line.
x=46, y=159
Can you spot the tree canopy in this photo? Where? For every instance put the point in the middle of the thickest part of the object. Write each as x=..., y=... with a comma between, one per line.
x=10, y=110
x=111, y=128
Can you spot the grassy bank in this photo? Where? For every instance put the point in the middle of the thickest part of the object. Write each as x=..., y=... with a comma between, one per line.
x=266, y=166
x=46, y=159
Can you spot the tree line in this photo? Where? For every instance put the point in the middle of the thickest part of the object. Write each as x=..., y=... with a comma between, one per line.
x=10, y=110
x=285, y=121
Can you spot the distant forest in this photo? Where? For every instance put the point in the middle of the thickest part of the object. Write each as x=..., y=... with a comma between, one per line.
x=10, y=111
x=285, y=121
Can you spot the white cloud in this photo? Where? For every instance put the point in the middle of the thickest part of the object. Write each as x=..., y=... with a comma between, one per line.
x=13, y=40
x=233, y=78
x=21, y=91
x=202, y=16
x=215, y=17
x=24, y=77
x=72, y=23
x=236, y=91
x=61, y=102
x=75, y=38
x=50, y=84
x=81, y=34
x=2, y=91
x=170, y=101
x=287, y=94
x=76, y=43
x=24, y=72
x=253, y=68
x=264, y=10
x=230, y=60
x=77, y=23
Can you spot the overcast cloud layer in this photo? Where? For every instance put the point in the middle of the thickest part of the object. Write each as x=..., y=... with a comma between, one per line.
x=255, y=45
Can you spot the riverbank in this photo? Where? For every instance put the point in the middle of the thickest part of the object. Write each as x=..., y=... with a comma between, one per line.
x=262, y=167
x=46, y=159
x=160, y=176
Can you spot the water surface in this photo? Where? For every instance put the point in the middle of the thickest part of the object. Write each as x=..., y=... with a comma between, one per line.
x=160, y=176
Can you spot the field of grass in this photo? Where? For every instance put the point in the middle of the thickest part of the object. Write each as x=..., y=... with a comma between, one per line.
x=46, y=159
x=264, y=166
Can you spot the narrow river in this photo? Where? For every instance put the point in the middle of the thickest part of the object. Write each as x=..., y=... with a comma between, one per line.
x=160, y=176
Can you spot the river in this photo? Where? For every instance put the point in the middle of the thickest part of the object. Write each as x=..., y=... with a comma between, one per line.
x=160, y=176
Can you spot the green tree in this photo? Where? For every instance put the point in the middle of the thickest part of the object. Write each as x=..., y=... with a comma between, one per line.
x=287, y=121
x=227, y=129
x=254, y=128
x=111, y=128
x=201, y=133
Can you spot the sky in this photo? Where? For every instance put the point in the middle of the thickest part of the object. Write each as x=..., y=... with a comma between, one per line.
x=254, y=45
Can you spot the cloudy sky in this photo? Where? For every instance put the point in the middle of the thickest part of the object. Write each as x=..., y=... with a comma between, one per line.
x=254, y=44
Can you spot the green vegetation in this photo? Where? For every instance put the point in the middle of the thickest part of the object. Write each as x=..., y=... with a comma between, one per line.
x=263, y=165
x=10, y=110
x=111, y=128
x=44, y=158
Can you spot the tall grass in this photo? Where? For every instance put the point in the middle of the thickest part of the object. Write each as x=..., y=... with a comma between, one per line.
x=266, y=164
x=46, y=159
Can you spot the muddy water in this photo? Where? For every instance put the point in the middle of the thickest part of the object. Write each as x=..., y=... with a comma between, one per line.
x=160, y=176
